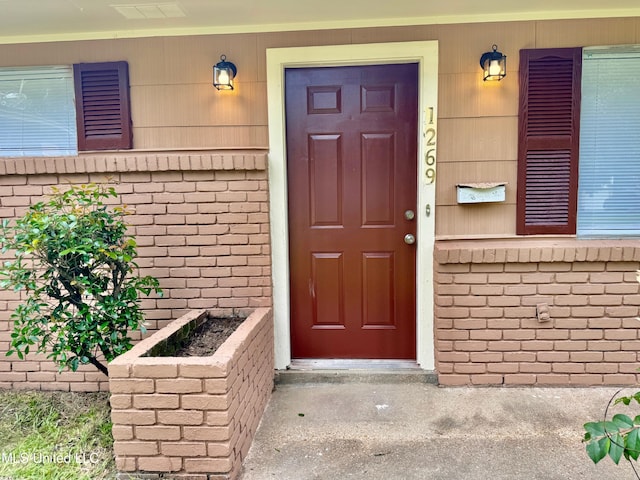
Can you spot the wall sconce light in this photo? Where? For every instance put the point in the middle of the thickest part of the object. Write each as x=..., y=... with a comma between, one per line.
x=494, y=64
x=223, y=74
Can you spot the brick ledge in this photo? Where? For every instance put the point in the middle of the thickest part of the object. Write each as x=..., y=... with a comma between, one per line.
x=135, y=161
x=536, y=250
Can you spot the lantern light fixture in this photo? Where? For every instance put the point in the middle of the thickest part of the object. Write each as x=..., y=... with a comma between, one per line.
x=223, y=74
x=494, y=65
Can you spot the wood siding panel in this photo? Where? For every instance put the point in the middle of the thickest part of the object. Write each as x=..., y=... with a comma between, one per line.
x=186, y=60
x=465, y=95
x=583, y=33
x=296, y=39
x=239, y=49
x=477, y=220
x=67, y=53
x=174, y=105
x=221, y=137
x=396, y=34
x=462, y=45
x=474, y=139
x=199, y=105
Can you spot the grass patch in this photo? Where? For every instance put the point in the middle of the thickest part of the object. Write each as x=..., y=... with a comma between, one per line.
x=55, y=436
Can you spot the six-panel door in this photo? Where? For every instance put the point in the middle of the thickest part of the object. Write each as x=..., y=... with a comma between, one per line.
x=351, y=161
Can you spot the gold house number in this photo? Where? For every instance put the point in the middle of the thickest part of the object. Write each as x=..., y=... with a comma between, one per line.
x=430, y=156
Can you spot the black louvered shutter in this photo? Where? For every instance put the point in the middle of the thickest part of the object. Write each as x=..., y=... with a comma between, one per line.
x=548, y=141
x=103, y=112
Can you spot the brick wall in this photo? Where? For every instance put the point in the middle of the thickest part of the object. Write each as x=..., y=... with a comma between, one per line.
x=193, y=417
x=546, y=313
x=201, y=223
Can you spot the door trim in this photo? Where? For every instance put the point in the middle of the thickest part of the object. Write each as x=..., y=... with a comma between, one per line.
x=426, y=55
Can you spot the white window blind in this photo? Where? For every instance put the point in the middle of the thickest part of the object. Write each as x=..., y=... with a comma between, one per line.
x=37, y=111
x=609, y=179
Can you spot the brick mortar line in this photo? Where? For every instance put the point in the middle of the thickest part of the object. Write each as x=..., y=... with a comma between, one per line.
x=124, y=162
x=543, y=252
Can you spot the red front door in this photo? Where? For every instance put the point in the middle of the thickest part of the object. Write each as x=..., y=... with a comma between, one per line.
x=352, y=166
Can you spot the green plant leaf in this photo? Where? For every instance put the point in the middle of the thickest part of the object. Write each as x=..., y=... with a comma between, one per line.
x=595, y=429
x=632, y=443
x=624, y=400
x=616, y=447
x=598, y=449
x=610, y=427
x=622, y=421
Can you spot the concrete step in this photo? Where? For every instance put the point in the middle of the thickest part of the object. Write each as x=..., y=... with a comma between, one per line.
x=354, y=371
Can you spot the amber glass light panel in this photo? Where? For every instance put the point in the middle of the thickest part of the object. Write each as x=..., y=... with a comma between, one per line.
x=494, y=65
x=223, y=74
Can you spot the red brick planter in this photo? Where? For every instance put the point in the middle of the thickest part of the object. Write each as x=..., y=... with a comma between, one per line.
x=191, y=417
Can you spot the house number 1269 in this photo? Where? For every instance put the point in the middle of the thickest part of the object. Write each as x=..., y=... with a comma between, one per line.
x=430, y=155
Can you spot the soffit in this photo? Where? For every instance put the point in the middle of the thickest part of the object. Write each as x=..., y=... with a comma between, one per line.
x=54, y=20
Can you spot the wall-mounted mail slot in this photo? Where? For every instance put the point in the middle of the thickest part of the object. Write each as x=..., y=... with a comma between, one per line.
x=481, y=192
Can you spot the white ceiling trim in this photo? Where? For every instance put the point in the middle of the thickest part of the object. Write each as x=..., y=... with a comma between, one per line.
x=325, y=25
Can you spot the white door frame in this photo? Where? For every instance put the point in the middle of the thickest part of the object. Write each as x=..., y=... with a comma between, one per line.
x=426, y=55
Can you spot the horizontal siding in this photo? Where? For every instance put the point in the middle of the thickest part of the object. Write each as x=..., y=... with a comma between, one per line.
x=174, y=105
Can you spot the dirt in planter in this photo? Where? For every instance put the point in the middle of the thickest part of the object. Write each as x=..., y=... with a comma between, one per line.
x=206, y=339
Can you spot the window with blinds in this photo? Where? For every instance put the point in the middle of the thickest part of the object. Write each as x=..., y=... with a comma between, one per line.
x=59, y=110
x=609, y=167
x=37, y=111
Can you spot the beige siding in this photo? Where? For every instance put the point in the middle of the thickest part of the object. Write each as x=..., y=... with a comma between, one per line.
x=175, y=107
x=611, y=31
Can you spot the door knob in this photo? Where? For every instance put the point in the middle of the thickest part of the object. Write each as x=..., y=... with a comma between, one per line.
x=409, y=239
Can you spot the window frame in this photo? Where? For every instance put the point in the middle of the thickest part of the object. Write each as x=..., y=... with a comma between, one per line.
x=38, y=111
x=608, y=196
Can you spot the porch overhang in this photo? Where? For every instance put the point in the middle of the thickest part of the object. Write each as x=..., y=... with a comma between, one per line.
x=65, y=20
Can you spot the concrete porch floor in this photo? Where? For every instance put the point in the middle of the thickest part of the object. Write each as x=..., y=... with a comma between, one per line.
x=371, y=429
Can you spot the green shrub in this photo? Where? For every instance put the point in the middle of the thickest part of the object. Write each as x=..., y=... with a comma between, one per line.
x=76, y=263
x=618, y=437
